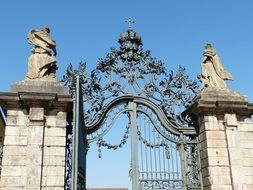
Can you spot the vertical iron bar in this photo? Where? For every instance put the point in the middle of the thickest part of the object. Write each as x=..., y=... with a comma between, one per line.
x=155, y=153
x=134, y=146
x=74, y=174
x=146, y=151
x=164, y=163
x=141, y=146
x=150, y=150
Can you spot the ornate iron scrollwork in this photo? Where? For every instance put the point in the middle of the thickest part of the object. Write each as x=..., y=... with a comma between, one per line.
x=131, y=70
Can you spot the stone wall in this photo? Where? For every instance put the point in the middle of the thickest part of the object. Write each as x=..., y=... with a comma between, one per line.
x=226, y=140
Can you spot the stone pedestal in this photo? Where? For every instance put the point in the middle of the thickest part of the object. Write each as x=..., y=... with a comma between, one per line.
x=35, y=136
x=225, y=127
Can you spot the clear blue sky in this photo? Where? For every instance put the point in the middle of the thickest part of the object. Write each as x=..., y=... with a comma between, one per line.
x=174, y=31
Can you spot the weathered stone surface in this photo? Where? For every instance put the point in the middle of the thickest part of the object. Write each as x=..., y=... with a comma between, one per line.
x=33, y=176
x=55, y=141
x=226, y=133
x=42, y=62
x=36, y=114
x=16, y=131
x=39, y=86
x=54, y=151
x=12, y=181
x=14, y=160
x=55, y=132
x=213, y=74
x=54, y=160
x=30, y=144
x=35, y=135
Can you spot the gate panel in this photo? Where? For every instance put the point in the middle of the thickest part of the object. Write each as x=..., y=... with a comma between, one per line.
x=159, y=156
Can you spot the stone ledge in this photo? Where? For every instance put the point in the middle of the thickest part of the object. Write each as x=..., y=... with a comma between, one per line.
x=39, y=86
x=211, y=101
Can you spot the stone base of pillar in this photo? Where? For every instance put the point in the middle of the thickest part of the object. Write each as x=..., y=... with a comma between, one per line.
x=35, y=135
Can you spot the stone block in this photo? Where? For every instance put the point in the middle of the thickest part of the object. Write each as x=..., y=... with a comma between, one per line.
x=51, y=121
x=210, y=126
x=248, y=171
x=33, y=177
x=39, y=86
x=206, y=181
x=247, y=187
x=219, y=171
x=247, y=162
x=218, y=161
x=12, y=171
x=55, y=181
x=230, y=120
x=215, y=135
x=247, y=180
x=53, y=171
x=55, y=132
x=210, y=118
x=35, y=135
x=247, y=153
x=12, y=112
x=61, y=119
x=16, y=131
x=220, y=180
x=204, y=163
x=54, y=161
x=235, y=156
x=11, y=120
x=232, y=138
x=213, y=143
x=246, y=144
x=7, y=181
x=55, y=141
x=217, y=152
x=54, y=151
x=15, y=140
x=22, y=120
x=245, y=127
x=36, y=114
x=14, y=150
x=34, y=155
x=245, y=135
x=14, y=160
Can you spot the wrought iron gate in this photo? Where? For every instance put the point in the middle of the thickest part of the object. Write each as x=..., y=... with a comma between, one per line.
x=164, y=152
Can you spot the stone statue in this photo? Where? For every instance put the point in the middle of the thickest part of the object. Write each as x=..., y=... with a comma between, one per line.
x=213, y=73
x=42, y=62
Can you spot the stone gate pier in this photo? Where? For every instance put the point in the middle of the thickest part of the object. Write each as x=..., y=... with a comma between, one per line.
x=37, y=108
x=223, y=118
x=35, y=136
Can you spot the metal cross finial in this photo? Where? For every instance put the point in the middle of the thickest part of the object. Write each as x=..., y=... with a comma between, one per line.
x=129, y=21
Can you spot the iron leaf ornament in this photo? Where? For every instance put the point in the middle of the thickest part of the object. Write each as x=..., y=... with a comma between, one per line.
x=129, y=70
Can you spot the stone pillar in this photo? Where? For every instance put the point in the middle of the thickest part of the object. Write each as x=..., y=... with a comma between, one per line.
x=225, y=128
x=35, y=136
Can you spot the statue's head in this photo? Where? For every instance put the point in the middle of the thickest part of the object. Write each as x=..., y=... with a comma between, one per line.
x=209, y=50
x=208, y=46
x=46, y=28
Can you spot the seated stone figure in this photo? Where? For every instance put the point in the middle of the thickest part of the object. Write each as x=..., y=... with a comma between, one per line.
x=213, y=73
x=42, y=62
